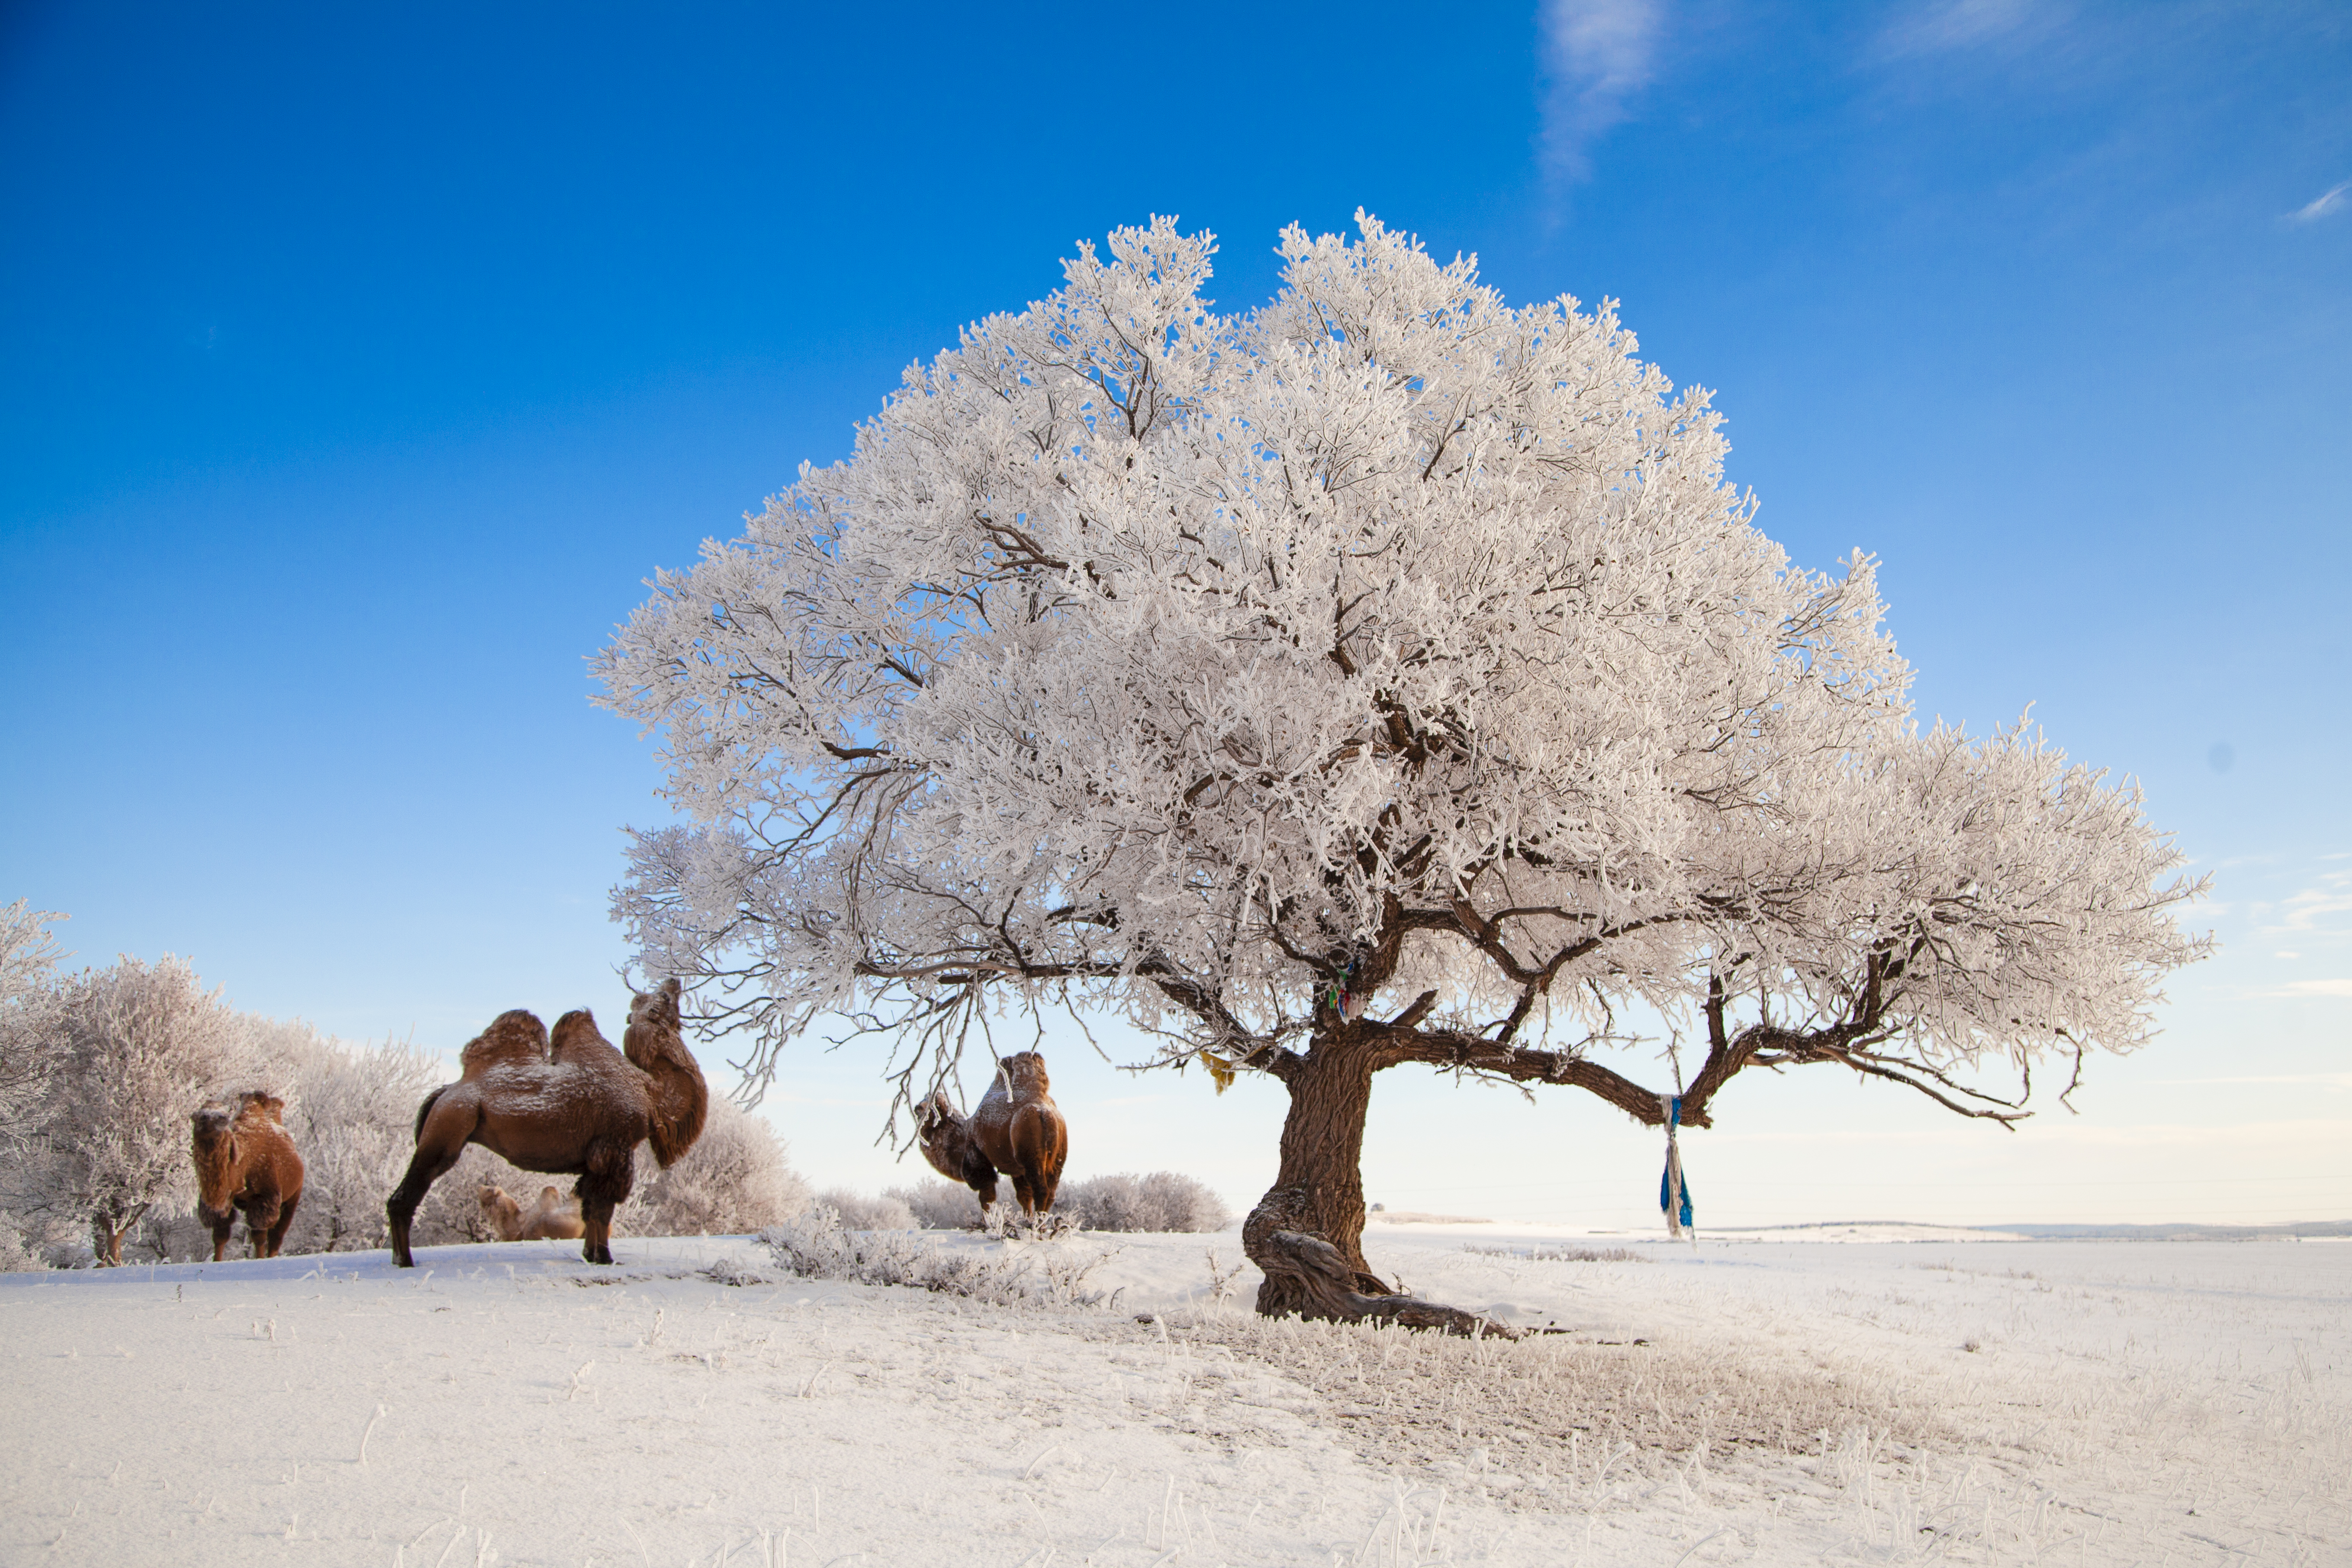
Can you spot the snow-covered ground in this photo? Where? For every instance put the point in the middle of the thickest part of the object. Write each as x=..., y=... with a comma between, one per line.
x=1764, y=1402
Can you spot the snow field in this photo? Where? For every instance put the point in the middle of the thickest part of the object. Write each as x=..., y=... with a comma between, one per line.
x=508, y=1403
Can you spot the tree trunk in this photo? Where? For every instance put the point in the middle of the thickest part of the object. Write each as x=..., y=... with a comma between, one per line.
x=107, y=1234
x=1320, y=1190
x=1312, y=1265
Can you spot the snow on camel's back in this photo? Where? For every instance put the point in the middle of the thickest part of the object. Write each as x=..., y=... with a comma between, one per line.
x=1018, y=1129
x=566, y=1104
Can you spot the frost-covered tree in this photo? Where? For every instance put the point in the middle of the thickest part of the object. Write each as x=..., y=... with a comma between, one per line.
x=141, y=1047
x=1384, y=677
x=28, y=998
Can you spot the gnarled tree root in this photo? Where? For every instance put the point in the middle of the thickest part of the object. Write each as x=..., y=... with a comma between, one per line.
x=1324, y=1287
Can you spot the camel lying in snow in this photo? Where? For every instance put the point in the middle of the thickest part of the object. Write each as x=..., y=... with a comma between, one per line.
x=553, y=1218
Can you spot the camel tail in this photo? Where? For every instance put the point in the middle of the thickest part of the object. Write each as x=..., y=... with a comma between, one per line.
x=425, y=1109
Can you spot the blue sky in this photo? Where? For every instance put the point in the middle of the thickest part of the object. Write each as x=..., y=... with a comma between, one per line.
x=357, y=367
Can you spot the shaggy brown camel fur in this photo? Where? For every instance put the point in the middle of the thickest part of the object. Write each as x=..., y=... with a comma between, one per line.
x=553, y=1218
x=245, y=1162
x=565, y=1105
x=1017, y=1129
x=948, y=1143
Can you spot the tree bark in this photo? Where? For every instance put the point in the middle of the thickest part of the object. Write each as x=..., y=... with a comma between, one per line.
x=1319, y=1189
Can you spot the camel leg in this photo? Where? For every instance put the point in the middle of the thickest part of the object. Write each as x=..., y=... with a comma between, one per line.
x=221, y=1229
x=445, y=1125
x=259, y=1215
x=604, y=1186
x=596, y=1238
x=428, y=1165
x=285, y=1223
x=1049, y=1178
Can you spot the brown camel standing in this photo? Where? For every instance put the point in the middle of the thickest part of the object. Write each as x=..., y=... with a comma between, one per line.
x=245, y=1162
x=1017, y=1129
x=566, y=1104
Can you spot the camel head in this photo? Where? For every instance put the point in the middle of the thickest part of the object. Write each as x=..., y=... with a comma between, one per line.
x=212, y=1143
x=946, y=1139
x=656, y=1008
x=1025, y=1073
x=500, y=1213
x=652, y=1041
x=933, y=1114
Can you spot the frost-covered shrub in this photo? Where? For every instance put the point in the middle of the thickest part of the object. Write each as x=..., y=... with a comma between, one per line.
x=859, y=1212
x=1163, y=1201
x=1562, y=1254
x=37, y=1241
x=817, y=1246
x=940, y=1206
x=733, y=1182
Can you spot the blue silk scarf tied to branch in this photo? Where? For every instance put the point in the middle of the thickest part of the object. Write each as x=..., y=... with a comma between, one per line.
x=1673, y=1193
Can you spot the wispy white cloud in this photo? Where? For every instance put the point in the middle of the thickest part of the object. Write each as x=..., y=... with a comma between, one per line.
x=2326, y=205
x=1597, y=55
x=1947, y=25
x=2308, y=909
x=2316, y=988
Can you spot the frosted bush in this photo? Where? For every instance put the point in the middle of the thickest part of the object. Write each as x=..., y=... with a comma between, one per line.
x=32, y=1244
x=733, y=1182
x=816, y=1245
x=1163, y=1201
x=940, y=1206
x=859, y=1212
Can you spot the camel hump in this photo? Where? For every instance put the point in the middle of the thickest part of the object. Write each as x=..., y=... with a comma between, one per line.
x=255, y=1103
x=514, y=1036
x=576, y=1032
x=1025, y=1072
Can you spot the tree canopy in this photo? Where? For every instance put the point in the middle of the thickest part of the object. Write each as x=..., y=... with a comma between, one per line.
x=1385, y=674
